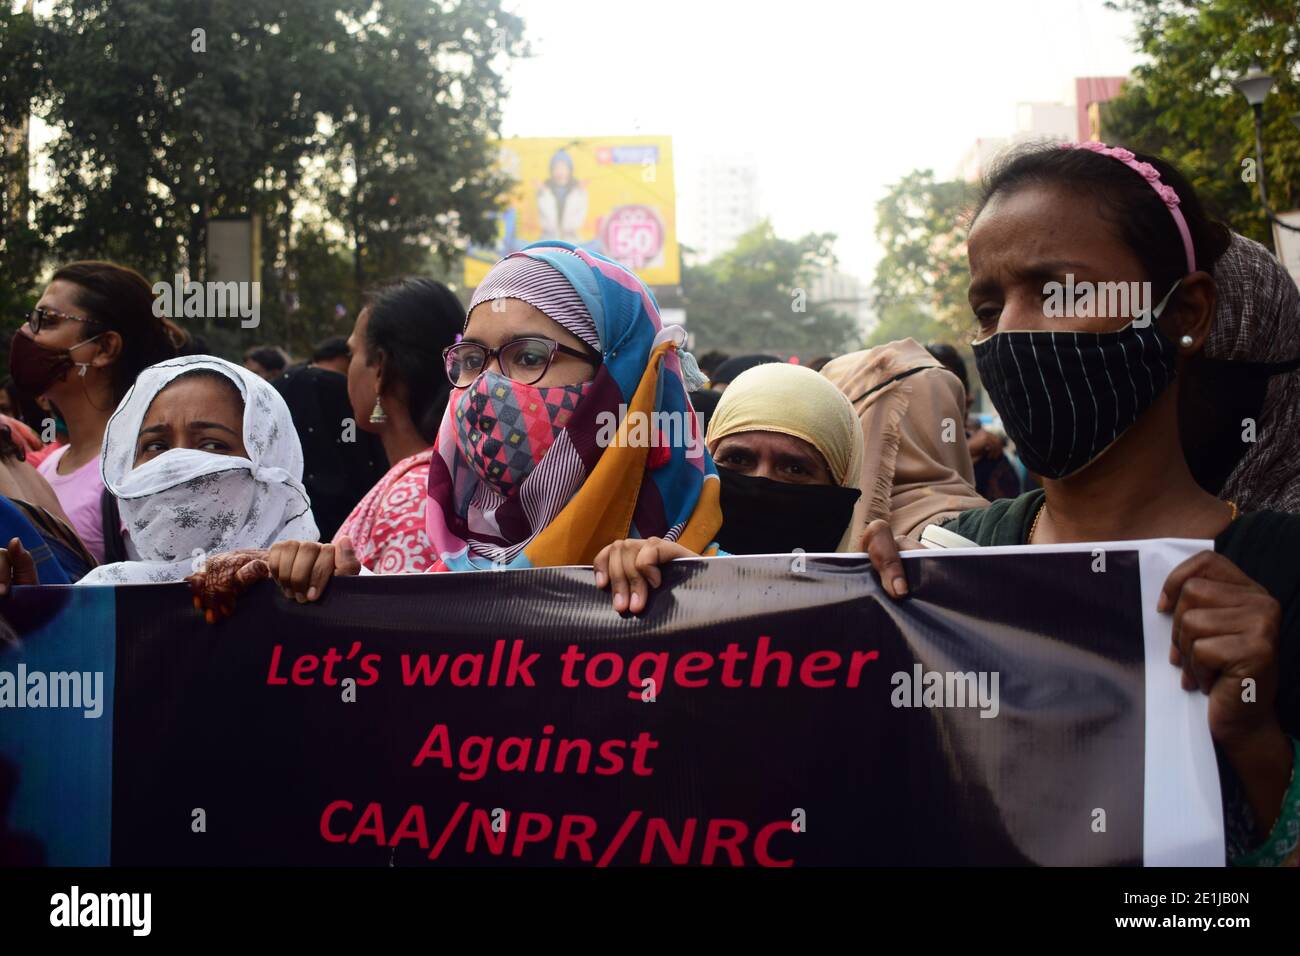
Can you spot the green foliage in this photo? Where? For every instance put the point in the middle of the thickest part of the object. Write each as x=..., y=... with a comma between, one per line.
x=921, y=223
x=358, y=131
x=754, y=298
x=1181, y=105
x=21, y=246
x=409, y=119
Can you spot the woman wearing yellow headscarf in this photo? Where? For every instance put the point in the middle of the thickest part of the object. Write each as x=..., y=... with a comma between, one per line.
x=788, y=447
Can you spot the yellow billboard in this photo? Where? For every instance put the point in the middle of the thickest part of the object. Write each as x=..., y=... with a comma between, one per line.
x=608, y=194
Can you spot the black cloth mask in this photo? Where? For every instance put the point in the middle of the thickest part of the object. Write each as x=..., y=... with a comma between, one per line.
x=1064, y=397
x=761, y=516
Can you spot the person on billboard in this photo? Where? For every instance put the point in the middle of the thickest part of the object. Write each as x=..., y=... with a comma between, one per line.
x=1092, y=402
x=562, y=202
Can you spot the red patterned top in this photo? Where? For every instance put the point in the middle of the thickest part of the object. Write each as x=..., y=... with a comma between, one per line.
x=387, y=526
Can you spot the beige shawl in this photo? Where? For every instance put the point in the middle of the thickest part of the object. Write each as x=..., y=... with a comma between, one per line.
x=908, y=405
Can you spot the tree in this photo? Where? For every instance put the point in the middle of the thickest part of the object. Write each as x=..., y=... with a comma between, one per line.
x=922, y=225
x=170, y=113
x=1181, y=105
x=754, y=298
x=21, y=246
x=408, y=125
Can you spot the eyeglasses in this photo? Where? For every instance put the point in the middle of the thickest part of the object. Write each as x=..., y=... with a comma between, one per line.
x=524, y=360
x=43, y=317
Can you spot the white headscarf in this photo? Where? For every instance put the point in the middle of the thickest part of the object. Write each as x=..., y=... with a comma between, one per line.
x=187, y=504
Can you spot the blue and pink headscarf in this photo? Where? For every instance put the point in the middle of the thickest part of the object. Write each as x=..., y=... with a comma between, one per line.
x=586, y=491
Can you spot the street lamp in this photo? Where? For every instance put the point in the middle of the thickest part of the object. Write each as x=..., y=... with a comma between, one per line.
x=1255, y=87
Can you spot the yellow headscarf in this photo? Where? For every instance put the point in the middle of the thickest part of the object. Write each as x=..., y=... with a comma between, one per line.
x=796, y=401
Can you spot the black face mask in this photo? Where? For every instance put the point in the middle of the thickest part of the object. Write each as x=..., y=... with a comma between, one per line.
x=1065, y=397
x=761, y=516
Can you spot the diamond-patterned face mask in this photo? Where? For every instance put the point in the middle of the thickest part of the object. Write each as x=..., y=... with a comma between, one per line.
x=504, y=428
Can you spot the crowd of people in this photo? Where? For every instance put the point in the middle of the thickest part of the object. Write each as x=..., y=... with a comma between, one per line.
x=439, y=439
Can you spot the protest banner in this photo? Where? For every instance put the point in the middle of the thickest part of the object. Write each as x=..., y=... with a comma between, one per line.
x=1018, y=708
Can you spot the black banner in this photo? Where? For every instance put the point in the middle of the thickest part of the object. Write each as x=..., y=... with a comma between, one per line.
x=764, y=711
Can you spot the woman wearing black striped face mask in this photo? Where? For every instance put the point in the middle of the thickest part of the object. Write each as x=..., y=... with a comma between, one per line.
x=1089, y=394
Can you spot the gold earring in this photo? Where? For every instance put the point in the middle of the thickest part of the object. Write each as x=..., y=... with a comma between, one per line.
x=377, y=417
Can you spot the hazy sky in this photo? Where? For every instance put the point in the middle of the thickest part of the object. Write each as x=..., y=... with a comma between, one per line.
x=833, y=99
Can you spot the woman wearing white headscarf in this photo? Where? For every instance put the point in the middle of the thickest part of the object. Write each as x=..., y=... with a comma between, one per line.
x=789, y=452
x=195, y=498
x=203, y=458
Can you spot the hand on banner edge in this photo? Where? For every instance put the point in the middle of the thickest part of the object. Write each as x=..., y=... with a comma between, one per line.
x=224, y=577
x=303, y=569
x=17, y=566
x=882, y=547
x=630, y=569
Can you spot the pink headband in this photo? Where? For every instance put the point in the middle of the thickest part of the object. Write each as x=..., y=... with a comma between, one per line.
x=1152, y=176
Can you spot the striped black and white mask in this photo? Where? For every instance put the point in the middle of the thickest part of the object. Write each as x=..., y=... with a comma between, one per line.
x=1064, y=397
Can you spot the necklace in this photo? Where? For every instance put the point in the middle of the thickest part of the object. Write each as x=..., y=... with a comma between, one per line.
x=1043, y=507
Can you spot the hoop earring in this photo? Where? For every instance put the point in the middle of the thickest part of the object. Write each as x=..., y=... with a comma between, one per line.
x=377, y=416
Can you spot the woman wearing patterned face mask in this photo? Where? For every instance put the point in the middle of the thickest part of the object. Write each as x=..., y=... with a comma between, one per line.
x=1091, y=400
x=526, y=472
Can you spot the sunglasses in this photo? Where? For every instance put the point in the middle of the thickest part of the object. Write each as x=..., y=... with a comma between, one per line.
x=523, y=360
x=43, y=317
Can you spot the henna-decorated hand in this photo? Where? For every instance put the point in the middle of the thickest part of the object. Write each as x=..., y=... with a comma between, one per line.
x=223, y=578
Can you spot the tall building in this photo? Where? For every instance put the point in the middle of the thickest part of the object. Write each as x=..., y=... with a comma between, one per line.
x=720, y=203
